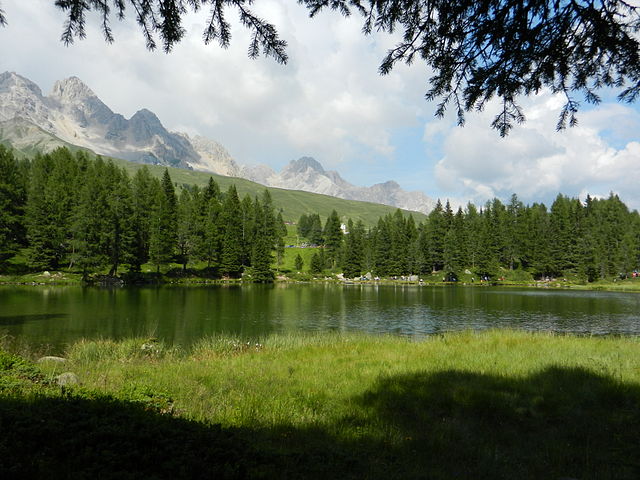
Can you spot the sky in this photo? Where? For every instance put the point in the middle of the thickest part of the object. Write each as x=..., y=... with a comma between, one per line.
x=329, y=102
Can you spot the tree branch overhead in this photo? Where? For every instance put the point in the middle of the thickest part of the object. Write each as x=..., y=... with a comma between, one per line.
x=477, y=49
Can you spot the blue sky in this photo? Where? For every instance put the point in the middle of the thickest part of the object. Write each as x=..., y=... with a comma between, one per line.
x=330, y=103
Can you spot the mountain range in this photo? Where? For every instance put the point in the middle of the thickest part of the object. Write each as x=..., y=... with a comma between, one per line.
x=73, y=115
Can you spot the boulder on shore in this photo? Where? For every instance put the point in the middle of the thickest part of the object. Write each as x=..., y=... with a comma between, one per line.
x=52, y=359
x=67, y=378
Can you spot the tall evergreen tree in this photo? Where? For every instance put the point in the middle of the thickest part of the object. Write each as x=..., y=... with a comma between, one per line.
x=261, y=252
x=435, y=233
x=315, y=230
x=187, y=225
x=231, y=261
x=13, y=197
x=163, y=234
x=50, y=202
x=250, y=212
x=353, y=250
x=332, y=239
x=454, y=254
x=143, y=188
x=303, y=226
x=316, y=265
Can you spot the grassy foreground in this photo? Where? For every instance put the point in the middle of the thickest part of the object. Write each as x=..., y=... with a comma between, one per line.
x=494, y=405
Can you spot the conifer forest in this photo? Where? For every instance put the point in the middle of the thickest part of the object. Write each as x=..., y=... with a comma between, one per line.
x=69, y=210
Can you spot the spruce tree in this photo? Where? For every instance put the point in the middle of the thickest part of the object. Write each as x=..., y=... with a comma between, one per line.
x=315, y=230
x=298, y=263
x=163, y=235
x=261, y=252
x=248, y=222
x=187, y=226
x=353, y=246
x=381, y=248
x=50, y=202
x=332, y=239
x=316, y=265
x=12, y=204
x=231, y=260
x=142, y=204
x=303, y=226
x=281, y=233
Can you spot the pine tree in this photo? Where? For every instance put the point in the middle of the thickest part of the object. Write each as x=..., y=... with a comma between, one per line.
x=303, y=226
x=454, y=254
x=281, y=233
x=540, y=241
x=381, y=248
x=261, y=253
x=213, y=234
x=515, y=233
x=231, y=261
x=298, y=263
x=187, y=225
x=435, y=233
x=332, y=239
x=248, y=222
x=353, y=246
x=163, y=235
x=13, y=197
x=399, y=263
x=142, y=204
x=315, y=230
x=50, y=203
x=317, y=264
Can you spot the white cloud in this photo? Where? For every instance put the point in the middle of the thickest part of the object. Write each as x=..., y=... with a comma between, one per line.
x=536, y=162
x=328, y=101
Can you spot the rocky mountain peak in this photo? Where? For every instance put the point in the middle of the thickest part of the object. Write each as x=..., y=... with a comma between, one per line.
x=303, y=164
x=71, y=90
x=389, y=185
x=11, y=81
x=147, y=117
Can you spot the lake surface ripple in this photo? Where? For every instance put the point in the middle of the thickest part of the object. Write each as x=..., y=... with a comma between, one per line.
x=181, y=315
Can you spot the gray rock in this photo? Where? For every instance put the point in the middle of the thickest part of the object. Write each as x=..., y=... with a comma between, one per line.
x=67, y=378
x=309, y=175
x=51, y=359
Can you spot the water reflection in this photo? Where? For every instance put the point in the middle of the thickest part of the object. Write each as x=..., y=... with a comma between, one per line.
x=182, y=315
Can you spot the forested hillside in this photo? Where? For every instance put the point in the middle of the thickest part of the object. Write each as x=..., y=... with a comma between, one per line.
x=68, y=210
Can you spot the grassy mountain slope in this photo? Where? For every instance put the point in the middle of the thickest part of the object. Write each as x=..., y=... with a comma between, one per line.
x=292, y=202
x=28, y=139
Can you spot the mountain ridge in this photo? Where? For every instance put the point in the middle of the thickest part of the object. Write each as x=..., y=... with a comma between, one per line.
x=74, y=115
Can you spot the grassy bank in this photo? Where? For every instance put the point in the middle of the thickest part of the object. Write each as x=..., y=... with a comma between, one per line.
x=498, y=404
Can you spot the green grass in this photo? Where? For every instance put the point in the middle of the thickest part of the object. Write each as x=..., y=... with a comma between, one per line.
x=292, y=203
x=494, y=405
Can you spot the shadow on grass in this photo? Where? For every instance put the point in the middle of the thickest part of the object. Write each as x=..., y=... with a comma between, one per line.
x=107, y=438
x=559, y=423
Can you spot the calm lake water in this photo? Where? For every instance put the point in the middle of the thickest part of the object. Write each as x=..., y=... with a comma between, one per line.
x=181, y=315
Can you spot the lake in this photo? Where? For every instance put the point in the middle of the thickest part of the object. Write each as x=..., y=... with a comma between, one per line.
x=181, y=315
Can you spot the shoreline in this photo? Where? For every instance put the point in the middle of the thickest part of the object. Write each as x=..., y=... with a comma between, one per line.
x=62, y=279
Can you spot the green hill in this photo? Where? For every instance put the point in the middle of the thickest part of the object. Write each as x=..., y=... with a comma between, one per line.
x=28, y=139
x=292, y=203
